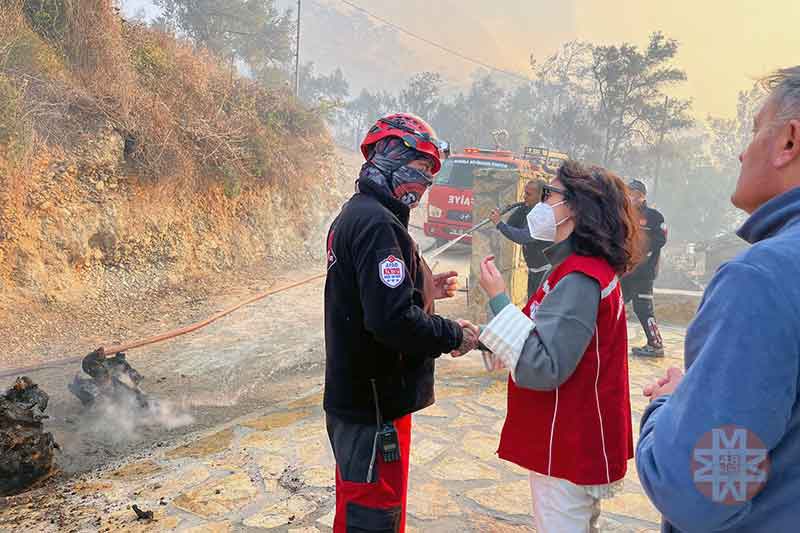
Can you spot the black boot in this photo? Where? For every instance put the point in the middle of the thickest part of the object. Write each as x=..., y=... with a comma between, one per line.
x=648, y=350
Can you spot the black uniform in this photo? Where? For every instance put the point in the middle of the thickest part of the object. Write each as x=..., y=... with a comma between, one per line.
x=379, y=321
x=638, y=285
x=381, y=339
x=533, y=252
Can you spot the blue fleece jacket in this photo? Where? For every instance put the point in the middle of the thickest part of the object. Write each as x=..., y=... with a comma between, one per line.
x=742, y=354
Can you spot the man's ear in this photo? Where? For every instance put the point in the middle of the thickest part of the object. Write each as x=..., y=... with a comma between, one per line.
x=789, y=147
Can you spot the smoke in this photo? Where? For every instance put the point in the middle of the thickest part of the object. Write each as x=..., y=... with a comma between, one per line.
x=125, y=417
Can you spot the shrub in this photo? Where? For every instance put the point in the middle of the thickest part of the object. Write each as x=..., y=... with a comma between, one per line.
x=47, y=18
x=68, y=66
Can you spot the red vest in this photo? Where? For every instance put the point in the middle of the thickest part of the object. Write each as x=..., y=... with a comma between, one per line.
x=581, y=431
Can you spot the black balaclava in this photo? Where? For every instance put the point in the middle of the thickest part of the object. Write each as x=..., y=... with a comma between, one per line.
x=387, y=167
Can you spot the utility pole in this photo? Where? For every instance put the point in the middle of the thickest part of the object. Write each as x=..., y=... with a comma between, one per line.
x=297, y=56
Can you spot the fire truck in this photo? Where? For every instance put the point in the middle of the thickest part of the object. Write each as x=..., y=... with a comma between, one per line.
x=450, y=197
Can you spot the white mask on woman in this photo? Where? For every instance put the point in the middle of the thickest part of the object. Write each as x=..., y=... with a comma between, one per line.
x=542, y=221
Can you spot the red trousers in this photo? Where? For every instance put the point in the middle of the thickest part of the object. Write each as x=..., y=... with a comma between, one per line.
x=378, y=505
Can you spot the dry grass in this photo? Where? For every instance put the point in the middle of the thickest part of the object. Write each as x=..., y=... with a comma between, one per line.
x=209, y=176
x=184, y=114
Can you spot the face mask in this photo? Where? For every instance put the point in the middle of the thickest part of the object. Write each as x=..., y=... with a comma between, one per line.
x=409, y=184
x=542, y=222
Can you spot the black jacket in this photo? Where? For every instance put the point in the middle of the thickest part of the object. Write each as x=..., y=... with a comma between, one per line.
x=655, y=231
x=379, y=321
x=532, y=252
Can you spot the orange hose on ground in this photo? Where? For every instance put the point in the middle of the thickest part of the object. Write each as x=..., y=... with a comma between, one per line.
x=111, y=350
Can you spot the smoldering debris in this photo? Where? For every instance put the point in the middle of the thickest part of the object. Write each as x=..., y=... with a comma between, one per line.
x=142, y=515
x=26, y=450
x=116, y=408
x=110, y=379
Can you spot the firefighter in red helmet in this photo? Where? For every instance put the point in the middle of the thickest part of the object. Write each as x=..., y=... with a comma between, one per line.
x=381, y=333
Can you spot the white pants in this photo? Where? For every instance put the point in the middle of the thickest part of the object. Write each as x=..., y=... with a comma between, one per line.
x=560, y=506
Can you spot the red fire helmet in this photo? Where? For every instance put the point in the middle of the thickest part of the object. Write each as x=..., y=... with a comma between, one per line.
x=414, y=131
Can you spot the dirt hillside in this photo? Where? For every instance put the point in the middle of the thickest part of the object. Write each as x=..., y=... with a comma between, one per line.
x=139, y=177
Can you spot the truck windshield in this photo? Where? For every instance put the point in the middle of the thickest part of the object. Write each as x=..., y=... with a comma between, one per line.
x=460, y=173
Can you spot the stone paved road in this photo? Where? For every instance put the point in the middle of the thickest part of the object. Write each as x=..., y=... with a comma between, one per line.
x=273, y=470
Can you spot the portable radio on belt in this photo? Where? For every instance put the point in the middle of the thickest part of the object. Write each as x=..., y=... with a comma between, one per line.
x=389, y=443
x=386, y=439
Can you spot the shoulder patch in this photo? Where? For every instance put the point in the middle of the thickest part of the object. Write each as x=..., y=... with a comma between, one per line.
x=392, y=271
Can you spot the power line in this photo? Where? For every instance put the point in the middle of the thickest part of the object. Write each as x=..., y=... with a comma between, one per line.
x=432, y=43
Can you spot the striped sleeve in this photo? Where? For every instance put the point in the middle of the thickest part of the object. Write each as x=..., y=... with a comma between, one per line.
x=506, y=334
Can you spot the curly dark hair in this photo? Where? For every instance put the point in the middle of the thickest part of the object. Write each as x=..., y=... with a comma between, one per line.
x=606, y=222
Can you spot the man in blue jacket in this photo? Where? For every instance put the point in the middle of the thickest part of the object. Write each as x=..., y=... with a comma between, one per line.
x=719, y=448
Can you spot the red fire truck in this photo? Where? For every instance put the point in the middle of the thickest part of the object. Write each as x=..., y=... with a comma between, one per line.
x=450, y=197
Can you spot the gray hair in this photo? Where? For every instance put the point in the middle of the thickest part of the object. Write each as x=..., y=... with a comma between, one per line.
x=784, y=88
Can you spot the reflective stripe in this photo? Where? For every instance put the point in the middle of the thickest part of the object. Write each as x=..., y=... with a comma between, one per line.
x=608, y=290
x=552, y=434
x=645, y=296
x=539, y=269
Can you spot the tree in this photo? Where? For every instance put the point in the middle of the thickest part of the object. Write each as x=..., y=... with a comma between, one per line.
x=469, y=119
x=319, y=88
x=518, y=116
x=485, y=106
x=672, y=117
x=254, y=32
x=363, y=111
x=630, y=88
x=695, y=195
x=421, y=95
x=451, y=119
x=560, y=117
x=729, y=137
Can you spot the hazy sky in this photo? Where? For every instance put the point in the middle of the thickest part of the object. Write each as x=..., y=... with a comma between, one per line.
x=724, y=43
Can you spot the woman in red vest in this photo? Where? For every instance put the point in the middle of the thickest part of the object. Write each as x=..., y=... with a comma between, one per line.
x=569, y=415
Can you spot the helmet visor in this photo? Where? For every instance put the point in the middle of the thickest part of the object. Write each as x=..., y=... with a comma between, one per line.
x=415, y=139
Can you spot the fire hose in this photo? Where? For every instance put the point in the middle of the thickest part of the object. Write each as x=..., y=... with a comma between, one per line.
x=470, y=231
x=106, y=351
x=114, y=349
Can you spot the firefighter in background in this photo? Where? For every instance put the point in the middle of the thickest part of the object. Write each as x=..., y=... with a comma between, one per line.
x=381, y=333
x=638, y=285
x=516, y=230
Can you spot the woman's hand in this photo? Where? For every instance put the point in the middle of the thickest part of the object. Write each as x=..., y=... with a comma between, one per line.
x=491, y=362
x=491, y=280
